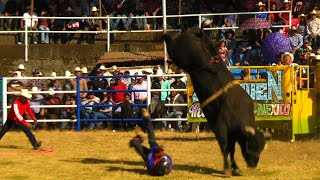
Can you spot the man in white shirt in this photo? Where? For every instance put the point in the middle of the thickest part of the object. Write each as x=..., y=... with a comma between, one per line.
x=313, y=28
x=30, y=20
x=139, y=97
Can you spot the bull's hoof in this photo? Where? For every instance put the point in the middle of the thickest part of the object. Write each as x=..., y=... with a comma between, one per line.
x=236, y=172
x=227, y=172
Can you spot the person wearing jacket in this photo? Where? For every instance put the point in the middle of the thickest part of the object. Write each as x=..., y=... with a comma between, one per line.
x=15, y=117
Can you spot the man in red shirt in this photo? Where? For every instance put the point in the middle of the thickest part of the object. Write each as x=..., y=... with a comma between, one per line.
x=15, y=117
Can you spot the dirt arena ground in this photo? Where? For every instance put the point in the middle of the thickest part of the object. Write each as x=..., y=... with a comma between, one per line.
x=106, y=155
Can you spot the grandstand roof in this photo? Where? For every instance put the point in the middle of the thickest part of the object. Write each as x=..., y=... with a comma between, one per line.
x=114, y=57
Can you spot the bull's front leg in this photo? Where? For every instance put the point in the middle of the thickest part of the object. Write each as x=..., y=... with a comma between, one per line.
x=222, y=138
x=235, y=170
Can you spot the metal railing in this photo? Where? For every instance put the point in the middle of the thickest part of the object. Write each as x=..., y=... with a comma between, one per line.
x=78, y=105
x=108, y=31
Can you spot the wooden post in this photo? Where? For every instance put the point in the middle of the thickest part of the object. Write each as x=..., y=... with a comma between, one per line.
x=179, y=19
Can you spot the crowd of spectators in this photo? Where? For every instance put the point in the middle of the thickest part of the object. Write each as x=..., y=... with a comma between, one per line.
x=119, y=106
x=247, y=50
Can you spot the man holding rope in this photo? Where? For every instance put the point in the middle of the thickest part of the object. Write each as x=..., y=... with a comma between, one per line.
x=18, y=109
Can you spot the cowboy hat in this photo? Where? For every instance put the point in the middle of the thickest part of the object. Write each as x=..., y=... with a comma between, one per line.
x=94, y=9
x=102, y=68
x=84, y=70
x=18, y=73
x=67, y=73
x=25, y=93
x=286, y=1
x=53, y=74
x=313, y=12
x=51, y=91
x=318, y=57
x=21, y=67
x=170, y=71
x=35, y=89
x=260, y=4
x=77, y=69
x=287, y=54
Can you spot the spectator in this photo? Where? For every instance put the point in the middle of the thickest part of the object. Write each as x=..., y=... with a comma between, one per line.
x=261, y=8
x=55, y=85
x=68, y=112
x=37, y=100
x=184, y=78
x=127, y=80
x=31, y=22
x=114, y=13
x=59, y=25
x=229, y=21
x=285, y=17
x=11, y=9
x=250, y=5
x=44, y=26
x=296, y=41
x=100, y=84
x=313, y=29
x=223, y=51
x=2, y=13
x=87, y=112
x=39, y=83
x=302, y=26
x=296, y=13
x=275, y=18
x=139, y=97
x=141, y=23
x=22, y=70
x=178, y=84
x=127, y=112
x=83, y=83
x=174, y=111
x=231, y=45
x=93, y=25
x=14, y=85
x=52, y=113
x=69, y=84
x=117, y=97
x=103, y=112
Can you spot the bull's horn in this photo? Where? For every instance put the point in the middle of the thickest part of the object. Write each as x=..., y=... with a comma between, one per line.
x=250, y=130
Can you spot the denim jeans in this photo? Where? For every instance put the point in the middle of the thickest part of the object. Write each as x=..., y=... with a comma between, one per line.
x=127, y=21
x=98, y=115
x=34, y=36
x=114, y=22
x=44, y=36
x=142, y=22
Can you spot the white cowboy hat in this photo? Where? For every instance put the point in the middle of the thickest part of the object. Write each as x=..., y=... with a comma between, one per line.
x=52, y=91
x=302, y=15
x=318, y=57
x=260, y=4
x=53, y=74
x=102, y=68
x=35, y=89
x=77, y=69
x=286, y=54
x=21, y=67
x=18, y=73
x=67, y=73
x=94, y=9
x=114, y=67
x=84, y=70
x=313, y=12
x=25, y=93
x=170, y=71
x=286, y=1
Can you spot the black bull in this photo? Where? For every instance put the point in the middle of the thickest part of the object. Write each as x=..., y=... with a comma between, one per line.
x=230, y=115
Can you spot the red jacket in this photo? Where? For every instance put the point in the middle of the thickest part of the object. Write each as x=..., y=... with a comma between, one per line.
x=18, y=110
x=118, y=97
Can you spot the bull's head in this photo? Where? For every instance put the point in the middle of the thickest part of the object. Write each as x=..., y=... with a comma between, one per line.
x=254, y=145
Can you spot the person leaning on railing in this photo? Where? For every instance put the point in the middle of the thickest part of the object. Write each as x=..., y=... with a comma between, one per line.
x=31, y=21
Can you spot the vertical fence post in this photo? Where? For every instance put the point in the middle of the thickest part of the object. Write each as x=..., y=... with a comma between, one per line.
x=149, y=92
x=78, y=104
x=26, y=40
x=4, y=100
x=164, y=17
x=108, y=34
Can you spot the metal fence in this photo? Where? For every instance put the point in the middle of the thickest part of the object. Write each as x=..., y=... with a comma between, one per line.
x=78, y=105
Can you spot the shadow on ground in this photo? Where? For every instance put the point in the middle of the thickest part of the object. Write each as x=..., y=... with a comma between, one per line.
x=11, y=147
x=176, y=167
